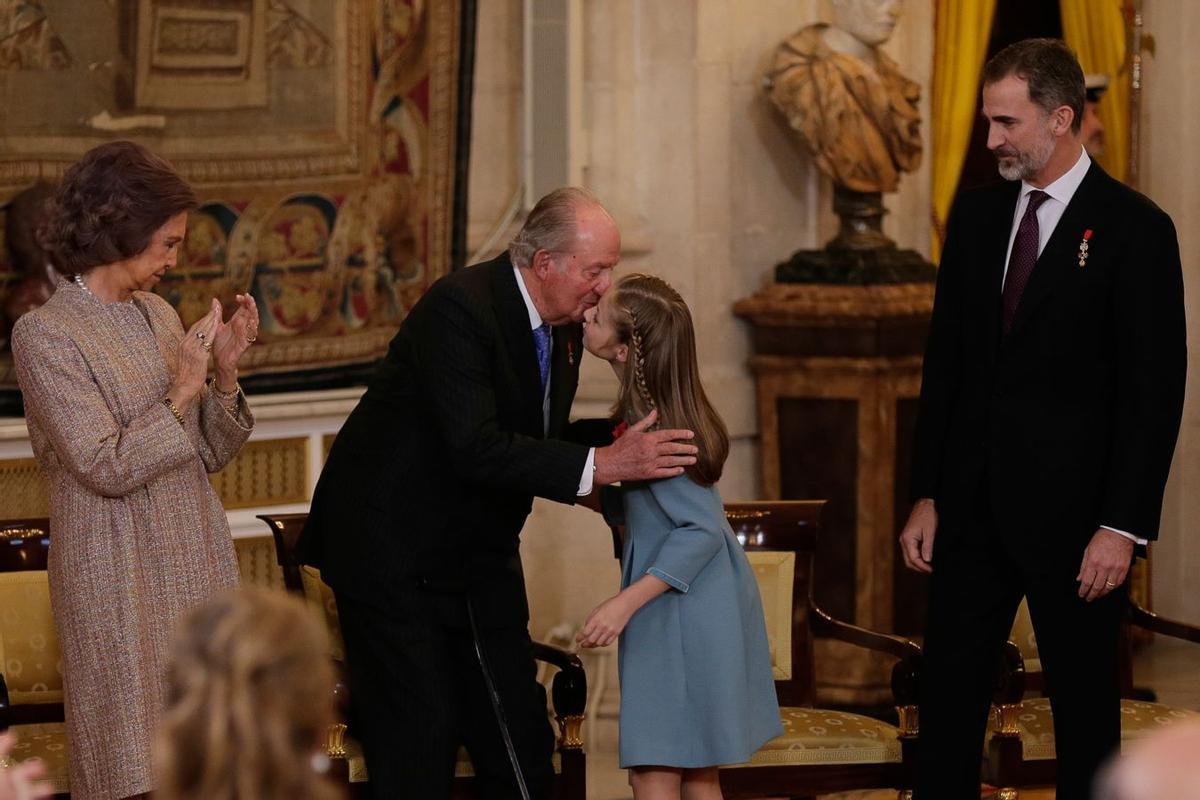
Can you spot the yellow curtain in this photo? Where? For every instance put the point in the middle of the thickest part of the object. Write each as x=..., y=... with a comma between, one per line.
x=960, y=41
x=1095, y=30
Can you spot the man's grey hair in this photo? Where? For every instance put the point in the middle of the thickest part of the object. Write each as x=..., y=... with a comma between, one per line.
x=551, y=224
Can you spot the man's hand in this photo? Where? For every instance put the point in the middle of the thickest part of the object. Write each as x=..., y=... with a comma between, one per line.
x=916, y=540
x=1105, y=565
x=641, y=455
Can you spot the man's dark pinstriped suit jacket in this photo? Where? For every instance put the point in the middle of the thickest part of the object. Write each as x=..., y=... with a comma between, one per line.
x=429, y=482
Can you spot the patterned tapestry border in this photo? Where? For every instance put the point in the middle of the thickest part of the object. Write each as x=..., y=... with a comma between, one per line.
x=326, y=178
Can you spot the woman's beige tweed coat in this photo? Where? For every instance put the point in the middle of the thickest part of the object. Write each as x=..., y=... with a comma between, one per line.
x=138, y=537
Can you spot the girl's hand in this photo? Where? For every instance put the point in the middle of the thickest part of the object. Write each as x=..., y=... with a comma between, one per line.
x=192, y=362
x=606, y=622
x=234, y=338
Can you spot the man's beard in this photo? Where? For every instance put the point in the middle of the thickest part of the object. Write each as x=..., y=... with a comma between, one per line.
x=1027, y=162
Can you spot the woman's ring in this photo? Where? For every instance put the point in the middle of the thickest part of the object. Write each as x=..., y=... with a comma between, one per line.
x=251, y=338
x=206, y=345
x=200, y=335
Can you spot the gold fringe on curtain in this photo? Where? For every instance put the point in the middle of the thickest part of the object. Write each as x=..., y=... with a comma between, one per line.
x=1096, y=31
x=961, y=31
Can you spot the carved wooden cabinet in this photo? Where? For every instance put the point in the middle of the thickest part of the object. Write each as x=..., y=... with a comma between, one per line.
x=838, y=370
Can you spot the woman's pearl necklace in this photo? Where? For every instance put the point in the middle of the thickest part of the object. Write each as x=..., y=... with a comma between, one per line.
x=78, y=280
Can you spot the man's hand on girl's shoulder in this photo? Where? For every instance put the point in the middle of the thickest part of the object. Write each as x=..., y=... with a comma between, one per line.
x=641, y=454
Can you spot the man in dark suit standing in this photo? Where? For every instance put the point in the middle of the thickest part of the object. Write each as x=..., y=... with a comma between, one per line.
x=1050, y=404
x=416, y=519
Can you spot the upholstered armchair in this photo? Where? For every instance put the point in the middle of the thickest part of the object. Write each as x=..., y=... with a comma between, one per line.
x=1020, y=751
x=820, y=750
x=31, y=685
x=568, y=689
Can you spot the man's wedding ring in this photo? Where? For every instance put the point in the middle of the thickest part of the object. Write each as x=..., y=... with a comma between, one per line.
x=1109, y=583
x=251, y=338
x=206, y=345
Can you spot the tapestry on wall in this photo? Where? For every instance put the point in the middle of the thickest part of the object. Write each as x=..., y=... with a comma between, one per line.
x=320, y=138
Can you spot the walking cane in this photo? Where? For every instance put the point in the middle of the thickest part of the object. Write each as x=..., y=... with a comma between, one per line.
x=497, y=706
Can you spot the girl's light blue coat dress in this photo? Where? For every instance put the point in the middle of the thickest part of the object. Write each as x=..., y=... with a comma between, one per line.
x=695, y=666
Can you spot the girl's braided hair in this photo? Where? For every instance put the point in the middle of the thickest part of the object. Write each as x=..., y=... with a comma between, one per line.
x=662, y=373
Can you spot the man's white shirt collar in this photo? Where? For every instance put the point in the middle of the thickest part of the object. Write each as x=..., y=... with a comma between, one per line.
x=1048, y=213
x=535, y=319
x=1067, y=184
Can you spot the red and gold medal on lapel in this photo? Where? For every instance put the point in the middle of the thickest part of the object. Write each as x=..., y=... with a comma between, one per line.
x=571, y=348
x=1083, y=248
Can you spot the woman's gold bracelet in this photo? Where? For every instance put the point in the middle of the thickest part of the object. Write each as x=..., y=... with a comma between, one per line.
x=174, y=409
x=230, y=401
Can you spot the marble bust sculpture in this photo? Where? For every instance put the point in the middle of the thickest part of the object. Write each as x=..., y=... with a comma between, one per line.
x=853, y=110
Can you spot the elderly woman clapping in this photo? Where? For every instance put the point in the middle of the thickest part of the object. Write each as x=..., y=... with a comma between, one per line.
x=126, y=425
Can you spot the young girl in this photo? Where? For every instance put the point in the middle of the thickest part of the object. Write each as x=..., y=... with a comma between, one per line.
x=248, y=702
x=696, y=684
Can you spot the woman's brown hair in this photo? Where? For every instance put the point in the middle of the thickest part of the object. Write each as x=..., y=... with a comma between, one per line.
x=661, y=371
x=109, y=205
x=249, y=699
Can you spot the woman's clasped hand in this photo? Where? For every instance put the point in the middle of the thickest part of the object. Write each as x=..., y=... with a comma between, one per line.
x=226, y=342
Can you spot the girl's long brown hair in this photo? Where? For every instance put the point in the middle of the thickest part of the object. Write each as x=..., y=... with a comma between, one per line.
x=249, y=699
x=661, y=371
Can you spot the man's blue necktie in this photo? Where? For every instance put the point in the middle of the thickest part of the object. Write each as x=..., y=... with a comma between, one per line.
x=541, y=337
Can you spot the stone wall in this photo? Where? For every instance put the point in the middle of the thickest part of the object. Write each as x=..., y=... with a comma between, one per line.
x=1170, y=139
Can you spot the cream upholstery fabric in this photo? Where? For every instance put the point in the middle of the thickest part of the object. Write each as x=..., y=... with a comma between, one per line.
x=1022, y=636
x=1137, y=718
x=320, y=599
x=816, y=736
x=49, y=743
x=775, y=574
x=30, y=659
x=355, y=760
x=810, y=736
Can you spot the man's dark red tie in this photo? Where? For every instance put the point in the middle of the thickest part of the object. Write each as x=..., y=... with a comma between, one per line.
x=1024, y=256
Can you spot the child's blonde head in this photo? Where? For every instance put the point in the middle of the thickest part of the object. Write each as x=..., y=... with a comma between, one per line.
x=249, y=698
x=661, y=371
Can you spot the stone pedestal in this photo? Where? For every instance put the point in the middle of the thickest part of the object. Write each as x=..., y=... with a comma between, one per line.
x=860, y=253
x=838, y=372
